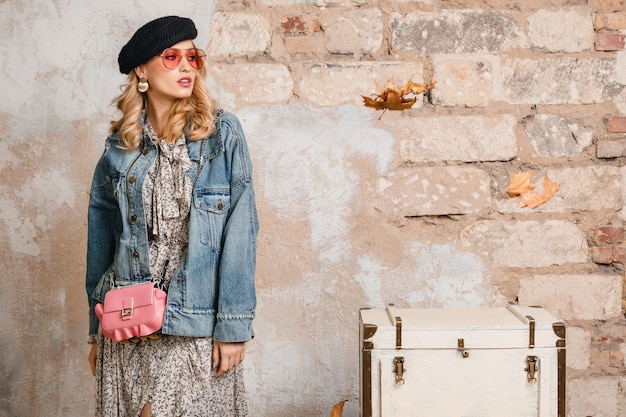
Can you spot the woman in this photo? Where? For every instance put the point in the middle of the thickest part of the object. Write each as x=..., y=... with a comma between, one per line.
x=172, y=202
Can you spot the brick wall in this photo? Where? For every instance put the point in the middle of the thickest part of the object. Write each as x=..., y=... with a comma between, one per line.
x=357, y=207
x=529, y=85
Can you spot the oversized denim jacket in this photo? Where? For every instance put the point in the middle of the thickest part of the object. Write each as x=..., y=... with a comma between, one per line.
x=212, y=293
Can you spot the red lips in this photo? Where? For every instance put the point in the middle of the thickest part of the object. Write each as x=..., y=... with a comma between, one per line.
x=185, y=81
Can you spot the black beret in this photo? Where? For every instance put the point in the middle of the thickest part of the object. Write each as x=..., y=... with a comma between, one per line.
x=153, y=38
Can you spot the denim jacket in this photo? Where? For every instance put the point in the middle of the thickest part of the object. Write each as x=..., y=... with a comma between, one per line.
x=212, y=293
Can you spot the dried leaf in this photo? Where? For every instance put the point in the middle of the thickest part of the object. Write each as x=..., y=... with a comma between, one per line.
x=533, y=199
x=395, y=98
x=550, y=187
x=337, y=410
x=391, y=102
x=520, y=183
x=417, y=88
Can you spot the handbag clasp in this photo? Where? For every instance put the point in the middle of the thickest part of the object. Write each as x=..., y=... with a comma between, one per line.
x=127, y=309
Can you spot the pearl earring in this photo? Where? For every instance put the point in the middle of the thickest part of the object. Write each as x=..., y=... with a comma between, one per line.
x=142, y=86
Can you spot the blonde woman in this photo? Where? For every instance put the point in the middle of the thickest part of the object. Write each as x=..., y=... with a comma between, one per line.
x=172, y=201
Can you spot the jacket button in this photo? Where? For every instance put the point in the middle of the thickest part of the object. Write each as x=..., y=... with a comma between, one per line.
x=135, y=254
x=145, y=151
x=220, y=206
x=133, y=218
x=131, y=180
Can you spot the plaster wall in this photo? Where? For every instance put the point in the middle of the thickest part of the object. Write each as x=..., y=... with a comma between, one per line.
x=356, y=208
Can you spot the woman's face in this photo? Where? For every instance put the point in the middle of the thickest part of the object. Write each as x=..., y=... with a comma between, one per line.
x=169, y=84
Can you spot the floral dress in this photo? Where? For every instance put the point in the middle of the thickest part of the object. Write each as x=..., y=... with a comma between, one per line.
x=173, y=373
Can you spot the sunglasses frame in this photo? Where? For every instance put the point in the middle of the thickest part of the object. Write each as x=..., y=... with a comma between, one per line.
x=184, y=53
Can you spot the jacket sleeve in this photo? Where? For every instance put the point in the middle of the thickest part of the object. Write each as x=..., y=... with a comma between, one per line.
x=102, y=221
x=237, y=296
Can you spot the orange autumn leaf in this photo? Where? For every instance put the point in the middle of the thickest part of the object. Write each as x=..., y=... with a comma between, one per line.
x=520, y=183
x=396, y=98
x=337, y=410
x=550, y=187
x=533, y=199
x=417, y=88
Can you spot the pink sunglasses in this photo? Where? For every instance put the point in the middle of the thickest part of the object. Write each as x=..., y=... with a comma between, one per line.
x=171, y=57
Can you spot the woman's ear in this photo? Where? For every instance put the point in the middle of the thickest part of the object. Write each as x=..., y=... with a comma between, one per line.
x=140, y=71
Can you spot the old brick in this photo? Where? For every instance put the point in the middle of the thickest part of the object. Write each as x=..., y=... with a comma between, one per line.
x=435, y=191
x=606, y=6
x=619, y=255
x=578, y=348
x=463, y=81
x=616, y=359
x=238, y=34
x=565, y=29
x=610, y=21
x=455, y=31
x=299, y=24
x=609, y=42
x=457, y=138
x=607, y=148
x=593, y=397
x=527, y=244
x=574, y=297
x=602, y=254
x=356, y=32
x=609, y=359
x=559, y=80
x=584, y=188
x=602, y=188
x=610, y=234
x=553, y=136
x=616, y=124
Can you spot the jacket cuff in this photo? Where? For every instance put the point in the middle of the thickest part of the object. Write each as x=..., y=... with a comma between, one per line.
x=229, y=329
x=94, y=323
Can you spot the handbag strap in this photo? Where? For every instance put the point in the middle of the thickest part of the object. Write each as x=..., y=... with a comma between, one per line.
x=218, y=114
x=199, y=163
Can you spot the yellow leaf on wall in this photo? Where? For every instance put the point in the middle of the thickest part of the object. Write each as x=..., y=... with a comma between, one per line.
x=520, y=183
x=337, y=410
x=533, y=199
x=522, y=190
x=395, y=98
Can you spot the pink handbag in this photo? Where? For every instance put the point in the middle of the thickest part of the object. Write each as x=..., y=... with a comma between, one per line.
x=132, y=311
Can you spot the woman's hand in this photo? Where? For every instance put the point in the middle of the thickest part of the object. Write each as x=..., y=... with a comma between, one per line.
x=227, y=355
x=92, y=358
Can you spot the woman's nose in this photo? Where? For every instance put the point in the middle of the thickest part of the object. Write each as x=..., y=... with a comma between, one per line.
x=184, y=64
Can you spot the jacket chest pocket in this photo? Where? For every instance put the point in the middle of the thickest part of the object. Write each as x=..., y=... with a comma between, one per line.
x=115, y=183
x=212, y=214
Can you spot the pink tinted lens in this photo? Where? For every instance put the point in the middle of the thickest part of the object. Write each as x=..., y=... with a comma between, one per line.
x=171, y=58
x=196, y=58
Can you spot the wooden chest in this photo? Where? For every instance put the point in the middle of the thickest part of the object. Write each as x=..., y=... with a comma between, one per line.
x=465, y=362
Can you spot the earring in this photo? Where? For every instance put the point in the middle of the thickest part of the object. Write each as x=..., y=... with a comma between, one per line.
x=142, y=86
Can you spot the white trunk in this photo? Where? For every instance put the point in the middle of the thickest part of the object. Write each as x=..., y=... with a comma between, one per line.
x=462, y=363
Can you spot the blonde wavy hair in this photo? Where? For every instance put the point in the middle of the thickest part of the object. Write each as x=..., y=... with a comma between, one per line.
x=193, y=114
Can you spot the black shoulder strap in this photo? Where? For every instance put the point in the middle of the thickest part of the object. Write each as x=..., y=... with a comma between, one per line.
x=218, y=113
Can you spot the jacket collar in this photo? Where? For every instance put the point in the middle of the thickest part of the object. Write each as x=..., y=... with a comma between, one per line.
x=214, y=144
